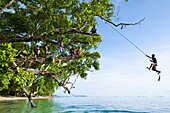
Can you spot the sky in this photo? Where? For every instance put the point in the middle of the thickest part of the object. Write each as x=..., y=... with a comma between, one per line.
x=122, y=67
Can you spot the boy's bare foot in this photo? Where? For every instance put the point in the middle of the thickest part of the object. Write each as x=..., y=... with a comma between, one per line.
x=159, y=72
x=147, y=68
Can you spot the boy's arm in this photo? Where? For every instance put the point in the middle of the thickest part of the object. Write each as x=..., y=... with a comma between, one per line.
x=148, y=56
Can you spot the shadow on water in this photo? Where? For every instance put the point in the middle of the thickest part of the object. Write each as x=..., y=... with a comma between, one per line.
x=22, y=106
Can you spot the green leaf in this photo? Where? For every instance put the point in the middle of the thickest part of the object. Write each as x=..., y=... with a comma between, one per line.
x=48, y=22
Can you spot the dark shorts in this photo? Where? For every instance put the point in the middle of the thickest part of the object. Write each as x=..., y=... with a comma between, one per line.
x=36, y=53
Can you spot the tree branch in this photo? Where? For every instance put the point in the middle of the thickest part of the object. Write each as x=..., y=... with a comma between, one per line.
x=40, y=26
x=72, y=84
x=64, y=82
x=37, y=72
x=33, y=62
x=84, y=25
x=73, y=41
x=45, y=35
x=46, y=68
x=120, y=24
x=42, y=67
x=60, y=83
x=66, y=88
x=21, y=50
x=6, y=6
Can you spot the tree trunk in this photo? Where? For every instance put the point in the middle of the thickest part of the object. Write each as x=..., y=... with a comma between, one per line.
x=28, y=95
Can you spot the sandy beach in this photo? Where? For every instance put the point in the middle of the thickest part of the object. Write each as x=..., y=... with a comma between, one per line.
x=23, y=98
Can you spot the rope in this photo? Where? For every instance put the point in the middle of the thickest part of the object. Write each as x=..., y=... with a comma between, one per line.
x=127, y=40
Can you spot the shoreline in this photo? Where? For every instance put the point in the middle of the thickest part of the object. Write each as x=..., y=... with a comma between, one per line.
x=10, y=98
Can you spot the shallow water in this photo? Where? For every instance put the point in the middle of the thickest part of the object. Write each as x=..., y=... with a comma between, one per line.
x=114, y=104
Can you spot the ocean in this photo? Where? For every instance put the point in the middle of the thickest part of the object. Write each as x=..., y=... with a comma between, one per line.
x=91, y=104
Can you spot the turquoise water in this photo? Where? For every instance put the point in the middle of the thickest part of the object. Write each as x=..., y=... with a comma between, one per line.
x=113, y=104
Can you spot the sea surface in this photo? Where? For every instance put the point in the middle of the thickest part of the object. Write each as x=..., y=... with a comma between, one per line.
x=91, y=104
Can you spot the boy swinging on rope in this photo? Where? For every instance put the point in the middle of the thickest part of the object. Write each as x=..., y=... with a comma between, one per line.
x=153, y=64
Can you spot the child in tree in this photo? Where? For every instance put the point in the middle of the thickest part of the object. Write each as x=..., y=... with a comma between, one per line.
x=93, y=30
x=73, y=51
x=46, y=50
x=37, y=51
x=61, y=47
x=78, y=51
x=153, y=64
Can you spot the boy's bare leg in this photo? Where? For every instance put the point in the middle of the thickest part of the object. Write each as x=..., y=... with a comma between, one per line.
x=149, y=67
x=154, y=69
x=158, y=71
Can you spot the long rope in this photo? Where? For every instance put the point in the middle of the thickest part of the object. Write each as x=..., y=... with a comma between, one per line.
x=127, y=40
x=132, y=44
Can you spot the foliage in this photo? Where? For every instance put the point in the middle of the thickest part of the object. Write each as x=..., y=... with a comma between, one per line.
x=24, y=78
x=44, y=21
x=7, y=54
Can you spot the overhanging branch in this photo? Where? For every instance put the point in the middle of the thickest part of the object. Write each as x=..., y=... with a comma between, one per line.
x=61, y=84
x=120, y=24
x=58, y=31
x=73, y=41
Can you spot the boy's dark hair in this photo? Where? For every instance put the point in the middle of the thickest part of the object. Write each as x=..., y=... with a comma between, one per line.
x=153, y=55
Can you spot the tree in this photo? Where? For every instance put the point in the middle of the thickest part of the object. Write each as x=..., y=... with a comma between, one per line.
x=48, y=22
